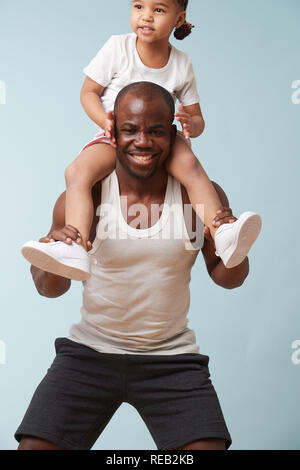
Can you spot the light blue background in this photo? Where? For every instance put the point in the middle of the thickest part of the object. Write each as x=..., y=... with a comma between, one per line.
x=246, y=55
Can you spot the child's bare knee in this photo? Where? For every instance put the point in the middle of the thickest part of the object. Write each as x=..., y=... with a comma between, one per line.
x=76, y=176
x=71, y=173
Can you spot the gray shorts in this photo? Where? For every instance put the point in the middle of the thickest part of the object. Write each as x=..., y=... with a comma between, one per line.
x=83, y=389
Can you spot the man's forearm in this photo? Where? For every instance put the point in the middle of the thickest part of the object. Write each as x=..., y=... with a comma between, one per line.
x=230, y=278
x=49, y=285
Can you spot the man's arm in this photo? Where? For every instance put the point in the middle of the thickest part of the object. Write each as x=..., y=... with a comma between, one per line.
x=47, y=284
x=227, y=278
x=51, y=285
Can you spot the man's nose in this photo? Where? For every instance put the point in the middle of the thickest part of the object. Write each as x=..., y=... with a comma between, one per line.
x=143, y=140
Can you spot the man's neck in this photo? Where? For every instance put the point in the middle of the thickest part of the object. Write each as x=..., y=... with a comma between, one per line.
x=153, y=186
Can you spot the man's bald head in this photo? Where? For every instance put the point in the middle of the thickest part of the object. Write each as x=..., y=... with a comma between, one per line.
x=144, y=129
x=147, y=91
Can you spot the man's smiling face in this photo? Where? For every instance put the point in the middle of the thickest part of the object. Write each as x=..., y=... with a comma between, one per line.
x=144, y=134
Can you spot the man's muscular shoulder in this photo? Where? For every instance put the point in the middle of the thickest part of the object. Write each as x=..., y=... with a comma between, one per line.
x=58, y=219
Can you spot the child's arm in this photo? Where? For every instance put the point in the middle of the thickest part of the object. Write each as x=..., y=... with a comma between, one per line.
x=90, y=100
x=191, y=119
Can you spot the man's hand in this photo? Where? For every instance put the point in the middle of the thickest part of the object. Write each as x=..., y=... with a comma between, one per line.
x=110, y=128
x=224, y=216
x=68, y=234
x=186, y=121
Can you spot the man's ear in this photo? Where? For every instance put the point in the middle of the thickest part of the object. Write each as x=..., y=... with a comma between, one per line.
x=115, y=127
x=173, y=134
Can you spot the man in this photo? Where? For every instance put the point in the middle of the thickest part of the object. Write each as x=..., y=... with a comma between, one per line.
x=132, y=344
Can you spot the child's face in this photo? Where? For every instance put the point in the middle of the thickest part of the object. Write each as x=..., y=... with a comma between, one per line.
x=154, y=20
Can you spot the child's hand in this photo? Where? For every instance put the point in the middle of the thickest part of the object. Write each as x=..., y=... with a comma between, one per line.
x=109, y=128
x=185, y=120
x=68, y=234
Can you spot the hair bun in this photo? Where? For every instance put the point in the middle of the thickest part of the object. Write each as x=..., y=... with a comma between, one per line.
x=184, y=30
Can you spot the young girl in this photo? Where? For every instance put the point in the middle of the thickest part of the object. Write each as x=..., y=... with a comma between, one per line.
x=143, y=55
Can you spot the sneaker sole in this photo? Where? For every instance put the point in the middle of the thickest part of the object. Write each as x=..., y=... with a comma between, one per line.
x=51, y=265
x=246, y=236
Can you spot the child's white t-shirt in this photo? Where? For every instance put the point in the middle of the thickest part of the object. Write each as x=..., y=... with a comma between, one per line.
x=118, y=64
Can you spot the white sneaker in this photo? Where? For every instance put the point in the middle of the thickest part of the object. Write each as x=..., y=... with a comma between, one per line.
x=233, y=241
x=70, y=261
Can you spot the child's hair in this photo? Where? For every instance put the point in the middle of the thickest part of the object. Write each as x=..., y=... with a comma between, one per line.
x=186, y=29
x=183, y=3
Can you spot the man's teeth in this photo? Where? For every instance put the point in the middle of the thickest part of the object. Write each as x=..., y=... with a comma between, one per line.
x=141, y=157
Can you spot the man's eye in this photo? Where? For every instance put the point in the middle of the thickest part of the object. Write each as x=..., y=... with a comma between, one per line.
x=128, y=131
x=156, y=133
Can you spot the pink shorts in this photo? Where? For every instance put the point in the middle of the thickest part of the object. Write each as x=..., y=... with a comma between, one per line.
x=102, y=139
x=98, y=139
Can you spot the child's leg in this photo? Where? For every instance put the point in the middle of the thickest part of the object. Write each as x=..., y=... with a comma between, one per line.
x=92, y=164
x=233, y=241
x=185, y=167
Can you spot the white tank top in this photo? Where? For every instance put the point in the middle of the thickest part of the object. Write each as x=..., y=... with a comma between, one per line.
x=137, y=298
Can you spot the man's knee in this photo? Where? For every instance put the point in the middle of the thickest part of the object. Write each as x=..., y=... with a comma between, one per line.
x=35, y=443
x=205, y=444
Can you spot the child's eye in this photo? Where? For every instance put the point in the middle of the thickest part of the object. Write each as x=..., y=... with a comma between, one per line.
x=138, y=7
x=159, y=10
